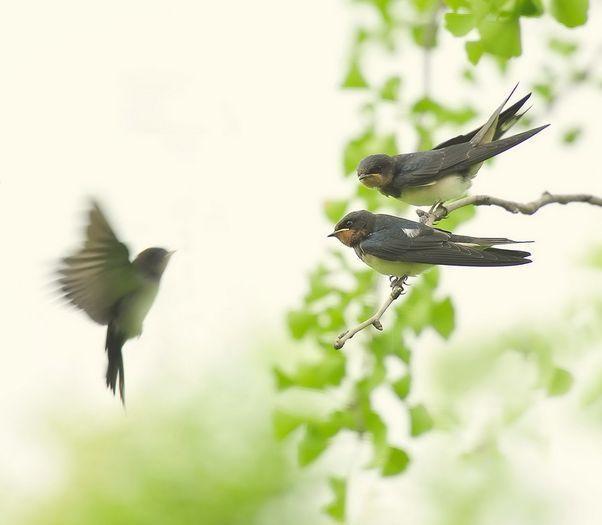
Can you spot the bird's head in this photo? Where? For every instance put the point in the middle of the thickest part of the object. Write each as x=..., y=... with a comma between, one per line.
x=354, y=227
x=152, y=262
x=376, y=171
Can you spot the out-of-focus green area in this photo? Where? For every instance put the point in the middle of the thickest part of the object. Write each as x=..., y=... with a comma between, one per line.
x=205, y=458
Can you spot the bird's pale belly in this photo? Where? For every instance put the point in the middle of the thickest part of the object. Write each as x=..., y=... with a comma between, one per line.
x=134, y=309
x=399, y=269
x=447, y=188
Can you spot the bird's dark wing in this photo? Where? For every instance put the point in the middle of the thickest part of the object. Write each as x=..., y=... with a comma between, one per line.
x=100, y=273
x=432, y=246
x=507, y=119
x=428, y=166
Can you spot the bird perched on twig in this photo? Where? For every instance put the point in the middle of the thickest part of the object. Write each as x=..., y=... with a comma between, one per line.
x=401, y=248
x=101, y=280
x=445, y=172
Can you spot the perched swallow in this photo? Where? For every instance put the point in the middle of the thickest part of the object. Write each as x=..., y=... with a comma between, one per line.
x=445, y=172
x=101, y=280
x=399, y=247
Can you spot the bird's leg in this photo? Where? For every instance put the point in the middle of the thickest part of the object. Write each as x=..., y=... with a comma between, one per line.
x=398, y=284
x=436, y=212
x=434, y=207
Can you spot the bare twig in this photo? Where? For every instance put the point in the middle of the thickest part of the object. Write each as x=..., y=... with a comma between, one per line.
x=527, y=208
x=396, y=290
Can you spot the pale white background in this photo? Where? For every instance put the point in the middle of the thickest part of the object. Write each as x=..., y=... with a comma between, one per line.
x=215, y=128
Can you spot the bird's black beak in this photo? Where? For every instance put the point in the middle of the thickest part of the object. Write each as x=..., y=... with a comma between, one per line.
x=336, y=232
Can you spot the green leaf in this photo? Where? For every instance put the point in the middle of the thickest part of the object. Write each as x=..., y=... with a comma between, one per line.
x=402, y=386
x=336, y=508
x=459, y=24
x=396, y=462
x=457, y=4
x=283, y=381
x=317, y=438
x=389, y=342
x=335, y=209
x=327, y=371
x=469, y=76
x=546, y=91
x=318, y=289
x=285, y=423
x=572, y=135
x=375, y=426
x=529, y=8
x=501, y=37
x=420, y=420
x=425, y=35
x=560, y=382
x=390, y=89
x=474, y=51
x=299, y=323
x=443, y=318
x=571, y=13
x=563, y=47
x=443, y=114
x=311, y=446
x=425, y=5
x=354, y=79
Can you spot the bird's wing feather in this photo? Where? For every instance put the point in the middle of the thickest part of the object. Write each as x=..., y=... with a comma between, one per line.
x=458, y=157
x=434, y=246
x=100, y=273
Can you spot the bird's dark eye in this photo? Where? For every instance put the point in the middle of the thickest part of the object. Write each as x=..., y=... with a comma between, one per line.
x=348, y=224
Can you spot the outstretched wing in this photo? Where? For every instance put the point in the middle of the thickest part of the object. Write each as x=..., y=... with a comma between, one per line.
x=100, y=273
x=431, y=246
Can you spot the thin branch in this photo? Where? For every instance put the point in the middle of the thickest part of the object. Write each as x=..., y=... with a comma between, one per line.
x=396, y=290
x=527, y=208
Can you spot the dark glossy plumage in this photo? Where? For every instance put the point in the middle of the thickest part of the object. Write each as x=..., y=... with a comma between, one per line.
x=445, y=172
x=395, y=239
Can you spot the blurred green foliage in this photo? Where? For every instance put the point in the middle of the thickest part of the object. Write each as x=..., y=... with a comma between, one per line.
x=341, y=293
x=201, y=459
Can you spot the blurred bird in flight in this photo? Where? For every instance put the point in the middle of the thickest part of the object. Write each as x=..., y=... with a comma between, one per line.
x=445, y=172
x=113, y=291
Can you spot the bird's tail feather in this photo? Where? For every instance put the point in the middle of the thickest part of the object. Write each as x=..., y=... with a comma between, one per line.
x=510, y=116
x=484, y=241
x=491, y=124
x=115, y=370
x=486, y=151
x=506, y=120
x=509, y=257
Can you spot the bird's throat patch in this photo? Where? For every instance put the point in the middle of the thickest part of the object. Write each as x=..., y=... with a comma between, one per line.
x=372, y=180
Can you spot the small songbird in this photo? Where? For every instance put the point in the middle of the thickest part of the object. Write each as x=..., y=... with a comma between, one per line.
x=401, y=248
x=445, y=172
x=101, y=280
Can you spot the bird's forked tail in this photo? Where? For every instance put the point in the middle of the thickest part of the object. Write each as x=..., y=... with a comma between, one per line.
x=113, y=346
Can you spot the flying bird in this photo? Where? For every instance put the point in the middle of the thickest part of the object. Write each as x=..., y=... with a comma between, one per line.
x=113, y=291
x=401, y=248
x=445, y=172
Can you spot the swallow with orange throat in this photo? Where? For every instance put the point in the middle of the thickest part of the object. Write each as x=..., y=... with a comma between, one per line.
x=402, y=248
